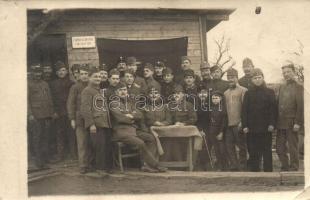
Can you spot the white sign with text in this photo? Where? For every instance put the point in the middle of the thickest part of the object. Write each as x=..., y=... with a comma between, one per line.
x=83, y=42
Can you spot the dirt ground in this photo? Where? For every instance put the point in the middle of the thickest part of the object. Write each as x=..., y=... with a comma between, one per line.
x=72, y=185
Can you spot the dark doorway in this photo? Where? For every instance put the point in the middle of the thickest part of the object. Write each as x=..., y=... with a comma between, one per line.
x=47, y=49
x=167, y=50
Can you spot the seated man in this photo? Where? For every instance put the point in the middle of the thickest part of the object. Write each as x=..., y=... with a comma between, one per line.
x=126, y=122
x=183, y=114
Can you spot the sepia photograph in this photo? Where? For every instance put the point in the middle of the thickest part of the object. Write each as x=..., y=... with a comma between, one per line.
x=165, y=97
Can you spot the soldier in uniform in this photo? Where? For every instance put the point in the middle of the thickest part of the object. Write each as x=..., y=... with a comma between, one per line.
x=247, y=66
x=132, y=65
x=121, y=66
x=156, y=112
x=135, y=91
x=217, y=83
x=158, y=72
x=234, y=135
x=169, y=86
x=40, y=111
x=114, y=79
x=186, y=64
x=290, y=119
x=126, y=128
x=149, y=79
x=182, y=114
x=103, y=68
x=258, y=122
x=75, y=117
x=95, y=112
x=190, y=88
x=75, y=71
x=47, y=73
x=65, y=137
x=206, y=75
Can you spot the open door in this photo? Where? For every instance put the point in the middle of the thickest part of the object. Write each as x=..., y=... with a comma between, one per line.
x=168, y=50
x=48, y=49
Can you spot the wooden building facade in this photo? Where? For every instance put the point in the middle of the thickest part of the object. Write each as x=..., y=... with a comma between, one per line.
x=149, y=35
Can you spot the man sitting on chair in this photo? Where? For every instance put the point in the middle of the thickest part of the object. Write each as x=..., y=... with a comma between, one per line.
x=126, y=128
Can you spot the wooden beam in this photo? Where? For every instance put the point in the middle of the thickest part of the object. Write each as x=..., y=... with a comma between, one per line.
x=218, y=17
x=203, y=38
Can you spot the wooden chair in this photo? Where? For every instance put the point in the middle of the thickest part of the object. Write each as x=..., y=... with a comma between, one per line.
x=119, y=154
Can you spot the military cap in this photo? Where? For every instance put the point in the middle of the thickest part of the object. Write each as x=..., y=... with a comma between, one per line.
x=189, y=72
x=103, y=67
x=113, y=72
x=130, y=71
x=232, y=72
x=178, y=88
x=59, y=64
x=84, y=67
x=288, y=65
x=131, y=60
x=75, y=67
x=160, y=64
x=93, y=70
x=36, y=68
x=120, y=85
x=153, y=89
x=217, y=93
x=121, y=60
x=46, y=68
x=256, y=72
x=247, y=61
x=149, y=66
x=215, y=67
x=204, y=65
x=167, y=70
x=183, y=58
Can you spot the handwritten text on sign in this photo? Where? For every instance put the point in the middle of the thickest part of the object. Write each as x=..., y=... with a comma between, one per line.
x=84, y=42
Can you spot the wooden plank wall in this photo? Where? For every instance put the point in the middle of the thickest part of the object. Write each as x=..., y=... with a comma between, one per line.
x=127, y=26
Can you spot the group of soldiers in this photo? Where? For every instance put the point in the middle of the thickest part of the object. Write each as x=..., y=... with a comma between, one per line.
x=86, y=116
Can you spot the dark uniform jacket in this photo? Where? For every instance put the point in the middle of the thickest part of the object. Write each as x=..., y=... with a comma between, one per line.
x=159, y=79
x=217, y=119
x=141, y=82
x=109, y=93
x=60, y=91
x=258, y=109
x=160, y=114
x=246, y=82
x=192, y=94
x=122, y=125
x=205, y=84
x=290, y=105
x=151, y=83
x=168, y=90
x=94, y=108
x=203, y=115
x=219, y=85
x=74, y=102
x=135, y=90
x=40, y=103
x=184, y=113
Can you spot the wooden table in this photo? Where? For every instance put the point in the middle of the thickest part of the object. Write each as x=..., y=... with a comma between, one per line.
x=189, y=158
